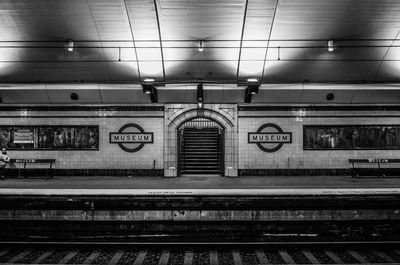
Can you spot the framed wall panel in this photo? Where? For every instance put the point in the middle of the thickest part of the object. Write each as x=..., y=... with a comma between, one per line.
x=351, y=137
x=47, y=137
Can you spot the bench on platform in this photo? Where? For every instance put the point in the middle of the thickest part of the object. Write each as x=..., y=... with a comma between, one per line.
x=375, y=161
x=49, y=170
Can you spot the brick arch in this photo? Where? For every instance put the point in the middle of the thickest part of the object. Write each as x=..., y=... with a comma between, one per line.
x=208, y=118
x=205, y=113
x=188, y=113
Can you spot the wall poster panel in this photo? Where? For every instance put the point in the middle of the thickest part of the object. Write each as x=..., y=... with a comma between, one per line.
x=44, y=137
x=351, y=137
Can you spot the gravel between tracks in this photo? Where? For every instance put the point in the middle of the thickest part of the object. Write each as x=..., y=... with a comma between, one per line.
x=371, y=257
x=176, y=258
x=104, y=257
x=32, y=256
x=249, y=258
x=274, y=257
x=201, y=258
x=299, y=257
x=128, y=257
x=152, y=258
x=225, y=258
x=322, y=257
x=394, y=255
x=55, y=257
x=346, y=257
x=80, y=257
x=9, y=255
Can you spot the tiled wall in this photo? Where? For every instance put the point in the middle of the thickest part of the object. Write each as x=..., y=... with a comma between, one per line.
x=109, y=156
x=153, y=119
x=292, y=156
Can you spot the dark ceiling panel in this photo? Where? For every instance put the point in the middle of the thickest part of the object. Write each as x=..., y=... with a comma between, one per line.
x=339, y=19
x=319, y=71
x=46, y=20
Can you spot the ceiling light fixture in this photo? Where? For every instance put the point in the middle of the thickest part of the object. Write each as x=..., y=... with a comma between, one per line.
x=331, y=48
x=200, y=45
x=252, y=80
x=70, y=46
x=252, y=89
x=150, y=89
x=200, y=97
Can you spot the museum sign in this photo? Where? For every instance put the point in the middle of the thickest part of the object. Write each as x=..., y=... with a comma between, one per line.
x=131, y=137
x=269, y=137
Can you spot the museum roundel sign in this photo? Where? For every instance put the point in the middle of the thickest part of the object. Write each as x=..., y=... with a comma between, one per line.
x=131, y=138
x=269, y=137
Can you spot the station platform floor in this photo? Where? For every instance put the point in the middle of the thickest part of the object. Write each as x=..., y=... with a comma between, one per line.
x=202, y=185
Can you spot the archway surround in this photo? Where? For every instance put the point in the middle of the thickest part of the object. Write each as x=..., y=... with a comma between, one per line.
x=177, y=114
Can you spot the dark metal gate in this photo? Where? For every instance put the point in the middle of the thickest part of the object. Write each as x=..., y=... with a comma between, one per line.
x=201, y=147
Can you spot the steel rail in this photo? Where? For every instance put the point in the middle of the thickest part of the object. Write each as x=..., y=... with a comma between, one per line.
x=203, y=243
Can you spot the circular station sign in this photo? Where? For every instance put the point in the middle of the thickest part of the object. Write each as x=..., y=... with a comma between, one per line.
x=269, y=137
x=131, y=137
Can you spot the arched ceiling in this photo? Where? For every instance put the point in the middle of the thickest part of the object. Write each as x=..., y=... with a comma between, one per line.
x=275, y=41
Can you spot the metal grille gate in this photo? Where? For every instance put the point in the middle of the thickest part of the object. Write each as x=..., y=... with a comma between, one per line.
x=201, y=147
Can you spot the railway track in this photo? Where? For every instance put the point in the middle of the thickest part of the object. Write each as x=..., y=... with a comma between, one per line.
x=200, y=254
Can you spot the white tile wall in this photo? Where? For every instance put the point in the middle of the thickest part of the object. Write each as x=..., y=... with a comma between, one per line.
x=109, y=156
x=292, y=155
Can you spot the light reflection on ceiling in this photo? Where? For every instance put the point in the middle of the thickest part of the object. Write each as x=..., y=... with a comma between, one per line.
x=275, y=41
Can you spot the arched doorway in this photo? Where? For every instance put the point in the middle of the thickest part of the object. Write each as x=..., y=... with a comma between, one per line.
x=200, y=147
x=224, y=114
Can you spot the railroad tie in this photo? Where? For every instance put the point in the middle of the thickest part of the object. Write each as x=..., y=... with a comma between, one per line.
x=236, y=258
x=114, y=260
x=91, y=257
x=3, y=252
x=164, y=258
x=334, y=257
x=43, y=257
x=140, y=258
x=311, y=257
x=358, y=257
x=286, y=257
x=68, y=257
x=213, y=258
x=19, y=256
x=188, y=260
x=384, y=256
x=262, y=258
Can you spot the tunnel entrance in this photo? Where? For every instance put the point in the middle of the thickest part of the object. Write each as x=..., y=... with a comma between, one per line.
x=201, y=147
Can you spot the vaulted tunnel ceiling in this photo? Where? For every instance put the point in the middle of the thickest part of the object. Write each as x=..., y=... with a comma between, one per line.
x=275, y=41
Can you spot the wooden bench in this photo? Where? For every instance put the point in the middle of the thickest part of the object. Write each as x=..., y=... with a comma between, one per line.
x=377, y=161
x=34, y=161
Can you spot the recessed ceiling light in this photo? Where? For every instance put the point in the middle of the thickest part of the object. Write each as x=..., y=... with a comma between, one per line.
x=70, y=46
x=200, y=46
x=331, y=48
x=148, y=80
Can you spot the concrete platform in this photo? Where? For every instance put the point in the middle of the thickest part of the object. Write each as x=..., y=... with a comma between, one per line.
x=202, y=185
x=199, y=208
